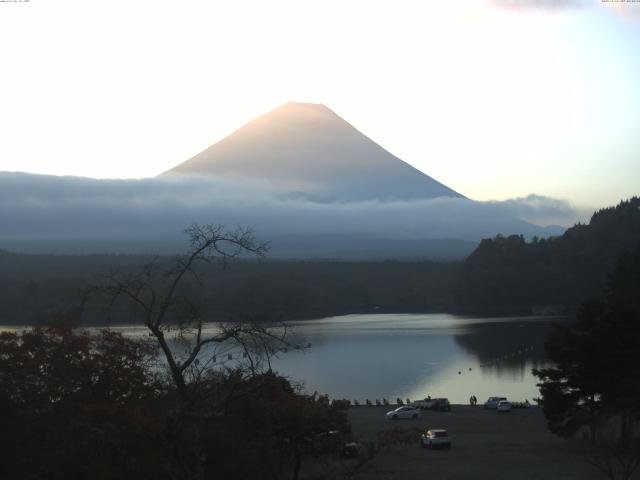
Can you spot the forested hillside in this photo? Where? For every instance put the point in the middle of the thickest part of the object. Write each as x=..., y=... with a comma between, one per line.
x=35, y=287
x=548, y=275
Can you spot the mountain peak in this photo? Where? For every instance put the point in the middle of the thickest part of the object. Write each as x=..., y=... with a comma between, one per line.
x=305, y=106
x=306, y=147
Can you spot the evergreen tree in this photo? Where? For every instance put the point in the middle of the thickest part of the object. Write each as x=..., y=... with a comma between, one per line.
x=597, y=360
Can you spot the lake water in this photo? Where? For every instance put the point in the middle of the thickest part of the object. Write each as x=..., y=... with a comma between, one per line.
x=376, y=356
x=409, y=356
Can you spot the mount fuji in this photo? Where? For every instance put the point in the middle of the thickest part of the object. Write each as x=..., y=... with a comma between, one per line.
x=302, y=177
x=306, y=149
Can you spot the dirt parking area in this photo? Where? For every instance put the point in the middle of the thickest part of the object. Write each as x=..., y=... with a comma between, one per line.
x=485, y=445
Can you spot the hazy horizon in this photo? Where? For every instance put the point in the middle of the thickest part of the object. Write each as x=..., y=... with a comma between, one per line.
x=44, y=213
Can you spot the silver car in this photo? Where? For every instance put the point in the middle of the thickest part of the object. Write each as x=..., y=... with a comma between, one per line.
x=403, y=412
x=436, y=438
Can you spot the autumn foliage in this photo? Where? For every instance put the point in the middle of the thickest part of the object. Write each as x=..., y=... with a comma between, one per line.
x=81, y=405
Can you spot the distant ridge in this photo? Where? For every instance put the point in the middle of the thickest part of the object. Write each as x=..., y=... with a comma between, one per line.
x=306, y=149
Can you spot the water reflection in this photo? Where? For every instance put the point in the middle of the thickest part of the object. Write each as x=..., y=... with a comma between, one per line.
x=376, y=356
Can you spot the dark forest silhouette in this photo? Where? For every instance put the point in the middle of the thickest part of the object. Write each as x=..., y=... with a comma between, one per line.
x=593, y=383
x=554, y=275
x=504, y=275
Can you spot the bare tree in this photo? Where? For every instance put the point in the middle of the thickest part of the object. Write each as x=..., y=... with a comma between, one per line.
x=167, y=298
x=164, y=297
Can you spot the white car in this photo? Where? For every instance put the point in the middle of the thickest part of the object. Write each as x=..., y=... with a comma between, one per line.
x=436, y=438
x=403, y=412
x=504, y=406
x=492, y=402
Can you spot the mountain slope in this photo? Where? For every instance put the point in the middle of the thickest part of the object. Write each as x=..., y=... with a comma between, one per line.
x=508, y=272
x=308, y=149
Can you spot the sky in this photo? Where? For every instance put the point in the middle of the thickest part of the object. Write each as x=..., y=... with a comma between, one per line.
x=497, y=99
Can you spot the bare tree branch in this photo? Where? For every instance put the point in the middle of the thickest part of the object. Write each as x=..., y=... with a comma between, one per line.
x=154, y=293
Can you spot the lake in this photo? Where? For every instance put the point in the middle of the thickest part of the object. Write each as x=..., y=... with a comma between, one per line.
x=407, y=355
x=379, y=356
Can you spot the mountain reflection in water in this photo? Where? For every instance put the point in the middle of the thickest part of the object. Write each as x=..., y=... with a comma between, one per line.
x=376, y=356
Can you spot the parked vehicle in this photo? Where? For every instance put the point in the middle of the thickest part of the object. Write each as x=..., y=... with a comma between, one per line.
x=492, y=402
x=422, y=404
x=440, y=405
x=504, y=406
x=407, y=411
x=435, y=438
x=330, y=441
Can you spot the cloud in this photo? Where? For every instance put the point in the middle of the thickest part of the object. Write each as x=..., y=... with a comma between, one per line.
x=544, y=210
x=150, y=214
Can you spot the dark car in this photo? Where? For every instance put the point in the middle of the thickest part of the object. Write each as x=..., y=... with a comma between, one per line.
x=440, y=405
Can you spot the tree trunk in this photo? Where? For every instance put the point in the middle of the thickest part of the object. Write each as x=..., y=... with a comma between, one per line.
x=297, y=464
x=625, y=430
x=183, y=434
x=592, y=424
